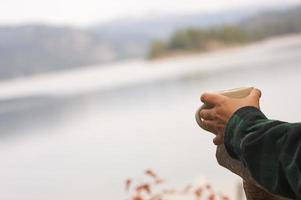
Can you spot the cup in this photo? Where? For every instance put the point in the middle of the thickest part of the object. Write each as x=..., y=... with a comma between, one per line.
x=232, y=93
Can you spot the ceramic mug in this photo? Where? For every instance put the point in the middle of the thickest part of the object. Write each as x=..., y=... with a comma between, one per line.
x=232, y=93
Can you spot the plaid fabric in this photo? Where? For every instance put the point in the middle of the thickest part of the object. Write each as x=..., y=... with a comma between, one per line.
x=270, y=149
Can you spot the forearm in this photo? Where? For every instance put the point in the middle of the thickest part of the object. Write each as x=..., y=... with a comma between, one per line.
x=269, y=149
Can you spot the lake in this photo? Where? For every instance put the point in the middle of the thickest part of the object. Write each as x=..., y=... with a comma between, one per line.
x=79, y=134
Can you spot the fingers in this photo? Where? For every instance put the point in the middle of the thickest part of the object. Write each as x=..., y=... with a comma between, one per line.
x=207, y=114
x=209, y=122
x=212, y=98
x=212, y=126
x=208, y=126
x=218, y=140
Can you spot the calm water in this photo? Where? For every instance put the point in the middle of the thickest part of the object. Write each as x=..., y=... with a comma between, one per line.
x=78, y=135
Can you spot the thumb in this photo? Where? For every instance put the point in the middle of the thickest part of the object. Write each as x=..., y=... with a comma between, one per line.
x=254, y=97
x=255, y=94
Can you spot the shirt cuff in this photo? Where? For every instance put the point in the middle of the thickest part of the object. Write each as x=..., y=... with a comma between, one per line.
x=238, y=127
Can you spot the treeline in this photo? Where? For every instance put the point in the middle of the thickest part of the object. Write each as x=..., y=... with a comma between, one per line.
x=253, y=29
x=196, y=39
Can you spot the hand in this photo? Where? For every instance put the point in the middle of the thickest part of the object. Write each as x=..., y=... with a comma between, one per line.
x=218, y=109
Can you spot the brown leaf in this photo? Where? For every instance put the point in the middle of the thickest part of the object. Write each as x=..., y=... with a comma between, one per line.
x=128, y=184
x=151, y=174
x=208, y=186
x=159, y=181
x=144, y=187
x=211, y=197
x=198, y=192
x=137, y=198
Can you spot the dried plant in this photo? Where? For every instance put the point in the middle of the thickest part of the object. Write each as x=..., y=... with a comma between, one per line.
x=150, y=187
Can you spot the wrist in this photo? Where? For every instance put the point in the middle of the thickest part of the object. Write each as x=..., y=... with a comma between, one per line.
x=236, y=128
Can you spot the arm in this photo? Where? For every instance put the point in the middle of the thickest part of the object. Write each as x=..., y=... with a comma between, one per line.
x=270, y=149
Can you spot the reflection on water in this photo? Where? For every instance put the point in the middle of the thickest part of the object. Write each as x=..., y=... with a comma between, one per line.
x=84, y=146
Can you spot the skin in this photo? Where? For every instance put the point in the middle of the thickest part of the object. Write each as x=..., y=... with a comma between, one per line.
x=218, y=109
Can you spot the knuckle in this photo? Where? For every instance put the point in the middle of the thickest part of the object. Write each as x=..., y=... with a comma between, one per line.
x=205, y=123
x=204, y=97
x=214, y=115
x=208, y=124
x=201, y=114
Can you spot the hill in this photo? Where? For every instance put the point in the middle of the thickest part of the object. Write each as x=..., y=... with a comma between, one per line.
x=273, y=23
x=32, y=49
x=132, y=37
x=254, y=28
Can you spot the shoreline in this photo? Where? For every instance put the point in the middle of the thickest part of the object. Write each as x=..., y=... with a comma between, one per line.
x=197, y=53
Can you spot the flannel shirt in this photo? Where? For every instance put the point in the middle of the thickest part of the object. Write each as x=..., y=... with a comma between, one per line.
x=269, y=149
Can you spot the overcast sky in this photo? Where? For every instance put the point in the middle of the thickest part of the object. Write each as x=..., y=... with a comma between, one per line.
x=88, y=12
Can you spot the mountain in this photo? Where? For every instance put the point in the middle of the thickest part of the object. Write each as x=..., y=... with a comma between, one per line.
x=132, y=36
x=30, y=49
x=274, y=22
x=252, y=29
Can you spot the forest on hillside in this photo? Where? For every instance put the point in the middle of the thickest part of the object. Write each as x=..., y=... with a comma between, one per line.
x=259, y=27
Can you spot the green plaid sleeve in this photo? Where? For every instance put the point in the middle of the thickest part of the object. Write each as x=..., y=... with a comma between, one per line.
x=270, y=149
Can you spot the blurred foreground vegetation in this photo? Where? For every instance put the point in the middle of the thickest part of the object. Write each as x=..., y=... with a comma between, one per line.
x=149, y=187
x=206, y=39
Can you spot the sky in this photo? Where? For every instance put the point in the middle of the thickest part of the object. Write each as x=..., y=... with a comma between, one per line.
x=89, y=12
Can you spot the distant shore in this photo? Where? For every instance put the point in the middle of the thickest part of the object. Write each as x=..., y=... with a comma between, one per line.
x=221, y=48
x=196, y=39
x=187, y=53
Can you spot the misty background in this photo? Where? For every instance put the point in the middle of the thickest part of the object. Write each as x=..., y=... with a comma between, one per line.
x=33, y=48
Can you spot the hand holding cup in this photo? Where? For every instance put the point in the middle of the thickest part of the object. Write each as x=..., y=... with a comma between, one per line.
x=218, y=107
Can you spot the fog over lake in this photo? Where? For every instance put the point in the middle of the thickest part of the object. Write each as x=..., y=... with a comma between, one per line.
x=79, y=134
